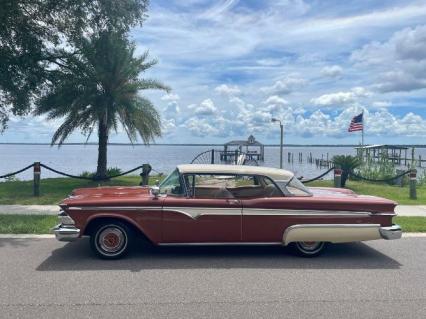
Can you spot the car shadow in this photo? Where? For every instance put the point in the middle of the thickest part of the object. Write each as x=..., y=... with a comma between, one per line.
x=78, y=256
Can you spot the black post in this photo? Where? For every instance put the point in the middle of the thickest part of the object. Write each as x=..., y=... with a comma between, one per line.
x=146, y=169
x=36, y=180
x=212, y=159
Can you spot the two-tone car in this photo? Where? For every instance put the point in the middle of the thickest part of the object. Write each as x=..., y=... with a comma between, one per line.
x=225, y=205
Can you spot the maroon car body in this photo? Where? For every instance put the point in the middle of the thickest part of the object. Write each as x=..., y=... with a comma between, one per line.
x=225, y=204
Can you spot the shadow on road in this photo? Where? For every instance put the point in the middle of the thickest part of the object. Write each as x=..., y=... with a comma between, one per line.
x=77, y=256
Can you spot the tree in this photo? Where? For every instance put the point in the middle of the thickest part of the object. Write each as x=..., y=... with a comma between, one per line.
x=347, y=164
x=34, y=33
x=98, y=88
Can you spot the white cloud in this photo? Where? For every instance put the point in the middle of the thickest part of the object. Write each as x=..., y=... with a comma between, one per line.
x=341, y=98
x=275, y=99
x=206, y=108
x=400, y=61
x=227, y=90
x=170, y=97
x=333, y=71
x=285, y=86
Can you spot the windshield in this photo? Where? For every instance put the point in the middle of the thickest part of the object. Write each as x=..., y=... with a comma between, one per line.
x=294, y=187
x=171, y=185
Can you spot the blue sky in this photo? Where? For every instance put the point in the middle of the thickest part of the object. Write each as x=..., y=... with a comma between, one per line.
x=233, y=65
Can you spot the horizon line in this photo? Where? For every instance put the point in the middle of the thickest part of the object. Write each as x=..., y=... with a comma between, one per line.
x=204, y=144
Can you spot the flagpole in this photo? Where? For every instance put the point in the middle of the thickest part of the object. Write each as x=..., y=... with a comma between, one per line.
x=362, y=136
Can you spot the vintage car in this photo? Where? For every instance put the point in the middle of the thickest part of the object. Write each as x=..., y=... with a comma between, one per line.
x=224, y=205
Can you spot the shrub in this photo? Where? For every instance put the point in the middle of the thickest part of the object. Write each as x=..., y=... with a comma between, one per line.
x=347, y=164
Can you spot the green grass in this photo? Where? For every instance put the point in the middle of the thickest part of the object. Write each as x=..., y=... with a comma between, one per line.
x=53, y=190
x=41, y=224
x=27, y=224
x=411, y=224
x=396, y=193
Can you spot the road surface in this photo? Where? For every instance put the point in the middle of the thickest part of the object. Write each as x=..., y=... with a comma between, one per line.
x=42, y=278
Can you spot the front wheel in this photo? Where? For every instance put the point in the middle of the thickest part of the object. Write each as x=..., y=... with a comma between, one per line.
x=110, y=240
x=308, y=248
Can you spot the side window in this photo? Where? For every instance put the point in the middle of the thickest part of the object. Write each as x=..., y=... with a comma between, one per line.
x=171, y=185
x=210, y=186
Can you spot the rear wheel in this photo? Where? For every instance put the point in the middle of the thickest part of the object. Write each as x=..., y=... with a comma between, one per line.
x=308, y=248
x=111, y=240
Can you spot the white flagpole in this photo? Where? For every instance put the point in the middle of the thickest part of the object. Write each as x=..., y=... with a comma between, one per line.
x=363, y=126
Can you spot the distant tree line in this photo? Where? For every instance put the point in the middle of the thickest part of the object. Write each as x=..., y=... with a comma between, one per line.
x=73, y=60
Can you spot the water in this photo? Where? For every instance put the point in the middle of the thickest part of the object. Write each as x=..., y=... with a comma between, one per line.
x=74, y=159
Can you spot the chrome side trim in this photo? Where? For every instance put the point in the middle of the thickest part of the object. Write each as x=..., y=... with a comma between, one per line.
x=114, y=208
x=299, y=212
x=224, y=244
x=391, y=232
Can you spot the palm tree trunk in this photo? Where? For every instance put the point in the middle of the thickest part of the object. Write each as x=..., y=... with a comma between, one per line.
x=101, y=171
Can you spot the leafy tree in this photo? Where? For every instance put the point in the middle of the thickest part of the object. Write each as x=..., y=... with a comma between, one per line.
x=347, y=164
x=34, y=33
x=98, y=89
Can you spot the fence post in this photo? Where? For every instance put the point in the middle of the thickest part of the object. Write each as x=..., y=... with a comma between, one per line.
x=36, y=179
x=146, y=169
x=337, y=177
x=413, y=182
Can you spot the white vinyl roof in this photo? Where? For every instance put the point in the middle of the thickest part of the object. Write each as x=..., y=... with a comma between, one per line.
x=273, y=173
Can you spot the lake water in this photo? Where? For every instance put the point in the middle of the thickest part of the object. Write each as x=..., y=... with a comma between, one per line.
x=74, y=159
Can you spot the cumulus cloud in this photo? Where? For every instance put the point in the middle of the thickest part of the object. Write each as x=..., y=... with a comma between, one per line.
x=227, y=90
x=332, y=71
x=284, y=86
x=400, y=61
x=341, y=98
x=205, y=108
x=170, y=97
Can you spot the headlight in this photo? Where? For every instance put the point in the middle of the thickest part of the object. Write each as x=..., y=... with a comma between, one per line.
x=64, y=219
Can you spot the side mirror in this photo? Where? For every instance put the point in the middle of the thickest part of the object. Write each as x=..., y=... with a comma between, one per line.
x=155, y=190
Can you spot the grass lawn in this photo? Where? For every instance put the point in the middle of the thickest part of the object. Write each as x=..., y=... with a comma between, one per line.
x=41, y=224
x=396, y=193
x=53, y=190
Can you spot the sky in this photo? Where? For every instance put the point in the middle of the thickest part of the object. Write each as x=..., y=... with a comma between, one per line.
x=234, y=65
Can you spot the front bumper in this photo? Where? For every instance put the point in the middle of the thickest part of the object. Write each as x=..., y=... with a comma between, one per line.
x=66, y=232
x=391, y=232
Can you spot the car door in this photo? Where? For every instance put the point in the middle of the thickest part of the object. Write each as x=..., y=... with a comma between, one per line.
x=204, y=218
x=265, y=216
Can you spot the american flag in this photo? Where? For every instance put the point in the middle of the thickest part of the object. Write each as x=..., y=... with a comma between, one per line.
x=356, y=123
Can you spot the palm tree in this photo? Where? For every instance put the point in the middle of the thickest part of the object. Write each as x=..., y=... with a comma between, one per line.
x=347, y=164
x=98, y=88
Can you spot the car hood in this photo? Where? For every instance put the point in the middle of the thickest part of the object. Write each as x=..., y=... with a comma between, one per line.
x=107, y=195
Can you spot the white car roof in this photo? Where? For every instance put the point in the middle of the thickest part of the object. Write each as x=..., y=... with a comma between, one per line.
x=273, y=173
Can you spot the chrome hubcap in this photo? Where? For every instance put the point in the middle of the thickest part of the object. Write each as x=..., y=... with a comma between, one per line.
x=310, y=246
x=111, y=239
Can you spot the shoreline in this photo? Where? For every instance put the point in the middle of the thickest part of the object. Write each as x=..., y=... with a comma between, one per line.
x=195, y=144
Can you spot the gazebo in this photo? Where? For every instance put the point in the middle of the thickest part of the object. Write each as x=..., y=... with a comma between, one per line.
x=252, y=148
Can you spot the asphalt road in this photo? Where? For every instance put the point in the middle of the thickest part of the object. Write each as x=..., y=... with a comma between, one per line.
x=42, y=278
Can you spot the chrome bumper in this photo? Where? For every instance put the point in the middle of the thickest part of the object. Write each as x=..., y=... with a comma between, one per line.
x=391, y=232
x=66, y=232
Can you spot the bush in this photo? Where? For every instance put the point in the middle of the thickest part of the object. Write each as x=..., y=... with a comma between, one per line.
x=347, y=164
x=112, y=171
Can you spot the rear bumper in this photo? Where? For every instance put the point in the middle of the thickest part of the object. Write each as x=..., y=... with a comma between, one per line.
x=66, y=232
x=391, y=232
